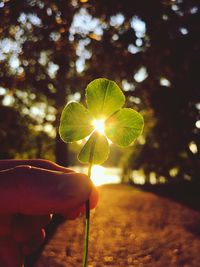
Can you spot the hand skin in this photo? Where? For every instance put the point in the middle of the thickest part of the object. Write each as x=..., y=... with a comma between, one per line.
x=31, y=190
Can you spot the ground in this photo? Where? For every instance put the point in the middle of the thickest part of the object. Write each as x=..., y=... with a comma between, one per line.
x=129, y=228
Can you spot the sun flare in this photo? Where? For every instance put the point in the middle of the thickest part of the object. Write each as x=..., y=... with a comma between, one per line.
x=99, y=125
x=101, y=175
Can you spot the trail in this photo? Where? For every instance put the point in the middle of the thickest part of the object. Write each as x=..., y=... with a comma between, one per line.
x=129, y=228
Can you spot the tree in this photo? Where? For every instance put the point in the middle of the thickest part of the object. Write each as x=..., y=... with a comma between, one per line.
x=153, y=48
x=150, y=47
x=38, y=59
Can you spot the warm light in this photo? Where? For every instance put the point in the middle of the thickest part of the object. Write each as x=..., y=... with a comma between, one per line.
x=193, y=147
x=99, y=125
x=138, y=177
x=101, y=175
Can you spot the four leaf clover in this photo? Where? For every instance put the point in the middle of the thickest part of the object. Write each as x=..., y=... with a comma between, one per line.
x=104, y=119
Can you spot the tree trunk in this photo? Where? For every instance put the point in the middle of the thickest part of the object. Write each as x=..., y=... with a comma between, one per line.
x=61, y=151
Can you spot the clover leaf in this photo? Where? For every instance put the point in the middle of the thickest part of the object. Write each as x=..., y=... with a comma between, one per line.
x=103, y=119
x=103, y=98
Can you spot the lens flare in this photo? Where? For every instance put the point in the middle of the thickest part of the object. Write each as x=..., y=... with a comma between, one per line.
x=99, y=125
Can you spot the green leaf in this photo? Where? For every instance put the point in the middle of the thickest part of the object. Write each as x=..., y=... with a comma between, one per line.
x=123, y=127
x=96, y=149
x=75, y=122
x=104, y=97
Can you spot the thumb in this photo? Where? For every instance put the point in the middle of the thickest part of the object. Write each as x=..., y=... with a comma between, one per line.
x=32, y=190
x=10, y=253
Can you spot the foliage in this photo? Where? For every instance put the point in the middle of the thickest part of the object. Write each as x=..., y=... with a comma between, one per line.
x=37, y=57
x=151, y=48
x=104, y=100
x=122, y=126
x=26, y=143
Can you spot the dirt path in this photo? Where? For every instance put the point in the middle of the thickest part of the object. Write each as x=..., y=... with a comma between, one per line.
x=129, y=228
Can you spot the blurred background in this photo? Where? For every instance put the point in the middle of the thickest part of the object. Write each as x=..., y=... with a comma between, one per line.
x=50, y=50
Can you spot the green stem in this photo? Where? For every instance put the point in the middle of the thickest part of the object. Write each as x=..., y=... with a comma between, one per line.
x=87, y=210
x=87, y=224
x=87, y=231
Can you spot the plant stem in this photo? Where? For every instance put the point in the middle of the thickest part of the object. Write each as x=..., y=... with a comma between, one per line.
x=87, y=210
x=87, y=223
x=87, y=229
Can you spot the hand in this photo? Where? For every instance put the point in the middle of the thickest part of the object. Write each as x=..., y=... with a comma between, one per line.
x=31, y=190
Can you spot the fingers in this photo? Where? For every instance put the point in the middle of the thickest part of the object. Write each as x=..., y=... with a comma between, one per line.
x=35, y=190
x=94, y=196
x=39, y=163
x=25, y=236
x=10, y=253
x=5, y=225
x=34, y=242
x=24, y=227
x=30, y=190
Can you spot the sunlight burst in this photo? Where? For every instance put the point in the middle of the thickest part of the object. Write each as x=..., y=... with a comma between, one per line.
x=99, y=125
x=101, y=175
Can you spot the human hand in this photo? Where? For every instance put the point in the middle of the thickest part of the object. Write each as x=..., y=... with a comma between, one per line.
x=31, y=190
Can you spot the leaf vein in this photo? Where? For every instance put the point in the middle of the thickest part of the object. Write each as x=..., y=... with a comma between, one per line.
x=104, y=98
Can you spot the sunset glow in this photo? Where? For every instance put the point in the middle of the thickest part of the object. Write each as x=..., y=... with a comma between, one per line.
x=99, y=125
x=101, y=175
